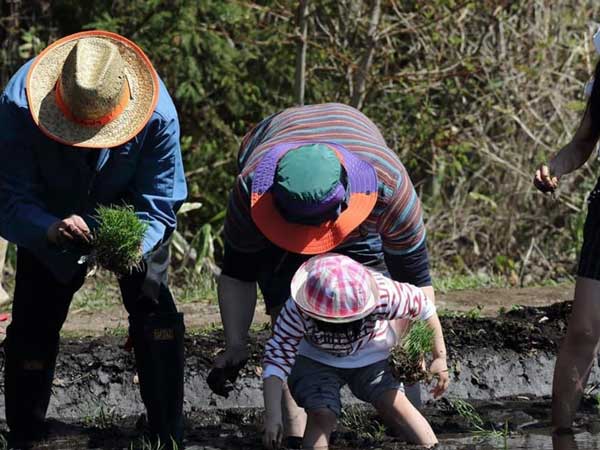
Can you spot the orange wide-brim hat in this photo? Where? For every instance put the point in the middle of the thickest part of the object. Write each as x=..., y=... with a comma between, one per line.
x=360, y=196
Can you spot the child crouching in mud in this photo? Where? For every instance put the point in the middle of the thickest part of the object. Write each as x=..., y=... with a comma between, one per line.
x=337, y=322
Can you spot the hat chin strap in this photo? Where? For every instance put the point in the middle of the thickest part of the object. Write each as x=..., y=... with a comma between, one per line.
x=97, y=122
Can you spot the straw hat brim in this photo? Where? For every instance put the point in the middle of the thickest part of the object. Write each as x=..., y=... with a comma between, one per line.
x=300, y=297
x=45, y=71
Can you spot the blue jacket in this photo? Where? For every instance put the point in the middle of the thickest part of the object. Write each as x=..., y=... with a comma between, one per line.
x=42, y=181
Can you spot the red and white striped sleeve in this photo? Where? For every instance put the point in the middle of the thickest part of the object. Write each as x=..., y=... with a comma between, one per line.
x=402, y=300
x=282, y=347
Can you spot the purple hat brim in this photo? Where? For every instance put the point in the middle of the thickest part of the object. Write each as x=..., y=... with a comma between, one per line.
x=362, y=178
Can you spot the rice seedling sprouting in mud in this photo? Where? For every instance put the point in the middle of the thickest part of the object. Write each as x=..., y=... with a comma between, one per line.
x=406, y=357
x=468, y=412
x=117, y=241
x=144, y=444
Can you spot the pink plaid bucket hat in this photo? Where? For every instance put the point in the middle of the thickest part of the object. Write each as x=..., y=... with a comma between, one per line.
x=334, y=288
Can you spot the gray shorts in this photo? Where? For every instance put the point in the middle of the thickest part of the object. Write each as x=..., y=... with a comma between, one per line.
x=315, y=386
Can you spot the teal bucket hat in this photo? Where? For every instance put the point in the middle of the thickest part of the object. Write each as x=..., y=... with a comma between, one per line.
x=306, y=197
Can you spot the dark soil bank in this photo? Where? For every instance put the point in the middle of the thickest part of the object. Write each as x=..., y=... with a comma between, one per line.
x=511, y=356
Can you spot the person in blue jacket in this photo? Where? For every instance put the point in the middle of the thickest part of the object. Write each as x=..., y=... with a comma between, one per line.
x=87, y=123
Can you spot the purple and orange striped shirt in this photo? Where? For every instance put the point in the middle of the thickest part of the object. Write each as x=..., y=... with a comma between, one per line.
x=296, y=333
x=395, y=224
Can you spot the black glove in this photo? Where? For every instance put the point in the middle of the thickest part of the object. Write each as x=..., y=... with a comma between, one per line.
x=221, y=380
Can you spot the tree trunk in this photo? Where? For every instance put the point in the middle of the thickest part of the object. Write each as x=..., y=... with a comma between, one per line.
x=302, y=23
x=362, y=74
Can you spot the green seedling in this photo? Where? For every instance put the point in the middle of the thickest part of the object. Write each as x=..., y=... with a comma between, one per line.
x=468, y=412
x=474, y=313
x=144, y=444
x=104, y=417
x=597, y=400
x=406, y=358
x=360, y=421
x=117, y=242
x=419, y=341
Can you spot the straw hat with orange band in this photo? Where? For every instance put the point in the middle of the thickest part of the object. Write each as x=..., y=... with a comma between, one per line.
x=307, y=197
x=93, y=89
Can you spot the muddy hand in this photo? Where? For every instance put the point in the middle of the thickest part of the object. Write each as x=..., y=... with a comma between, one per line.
x=543, y=180
x=273, y=433
x=70, y=231
x=439, y=370
x=222, y=377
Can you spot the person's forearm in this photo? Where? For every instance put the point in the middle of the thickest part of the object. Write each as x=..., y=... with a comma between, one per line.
x=439, y=346
x=237, y=301
x=571, y=157
x=574, y=155
x=272, y=391
x=430, y=293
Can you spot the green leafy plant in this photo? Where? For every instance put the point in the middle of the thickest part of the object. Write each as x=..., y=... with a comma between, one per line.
x=117, y=243
x=474, y=313
x=406, y=358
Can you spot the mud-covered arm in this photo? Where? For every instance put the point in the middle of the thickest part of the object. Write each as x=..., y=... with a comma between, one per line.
x=159, y=188
x=24, y=218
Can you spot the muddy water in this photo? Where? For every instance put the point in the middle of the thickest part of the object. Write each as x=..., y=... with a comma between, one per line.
x=240, y=429
x=503, y=366
x=581, y=441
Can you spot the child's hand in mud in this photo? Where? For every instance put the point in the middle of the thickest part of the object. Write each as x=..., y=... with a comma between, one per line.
x=273, y=435
x=439, y=370
x=544, y=180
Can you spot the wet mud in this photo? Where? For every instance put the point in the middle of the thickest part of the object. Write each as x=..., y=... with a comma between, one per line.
x=502, y=366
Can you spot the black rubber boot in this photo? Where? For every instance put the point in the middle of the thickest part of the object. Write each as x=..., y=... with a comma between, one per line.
x=158, y=346
x=28, y=374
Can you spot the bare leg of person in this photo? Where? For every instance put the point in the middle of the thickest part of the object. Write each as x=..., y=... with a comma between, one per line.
x=4, y=297
x=294, y=417
x=404, y=419
x=577, y=353
x=319, y=426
